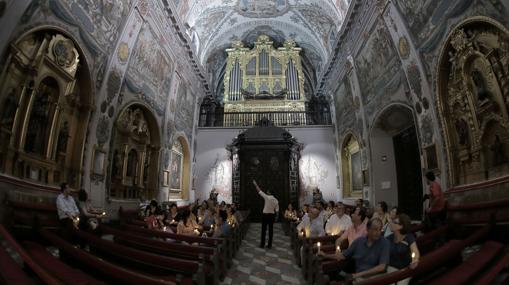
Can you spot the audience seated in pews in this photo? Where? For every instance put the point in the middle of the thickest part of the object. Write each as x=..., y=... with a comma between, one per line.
x=339, y=222
x=393, y=214
x=231, y=219
x=290, y=213
x=153, y=216
x=186, y=225
x=222, y=228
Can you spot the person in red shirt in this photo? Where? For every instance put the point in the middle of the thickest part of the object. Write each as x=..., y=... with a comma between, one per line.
x=436, y=210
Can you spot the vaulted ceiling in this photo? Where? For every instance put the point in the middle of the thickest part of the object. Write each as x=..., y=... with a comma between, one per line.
x=213, y=25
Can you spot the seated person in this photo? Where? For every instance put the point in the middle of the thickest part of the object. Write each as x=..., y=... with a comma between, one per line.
x=68, y=212
x=312, y=224
x=381, y=212
x=393, y=214
x=237, y=214
x=370, y=253
x=231, y=219
x=186, y=226
x=171, y=217
x=209, y=218
x=356, y=230
x=403, y=248
x=153, y=215
x=222, y=229
x=88, y=216
x=339, y=222
x=290, y=213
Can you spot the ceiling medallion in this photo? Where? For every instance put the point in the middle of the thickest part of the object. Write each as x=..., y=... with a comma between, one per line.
x=404, y=48
x=123, y=52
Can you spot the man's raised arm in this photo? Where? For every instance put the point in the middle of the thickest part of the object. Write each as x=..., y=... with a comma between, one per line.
x=256, y=186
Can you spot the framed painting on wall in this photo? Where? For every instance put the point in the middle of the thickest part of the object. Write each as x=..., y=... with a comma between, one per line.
x=176, y=171
x=431, y=157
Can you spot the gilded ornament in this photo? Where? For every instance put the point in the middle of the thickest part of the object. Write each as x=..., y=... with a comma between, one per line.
x=123, y=52
x=404, y=48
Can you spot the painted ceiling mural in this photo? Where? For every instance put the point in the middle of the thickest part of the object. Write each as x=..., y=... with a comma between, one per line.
x=311, y=23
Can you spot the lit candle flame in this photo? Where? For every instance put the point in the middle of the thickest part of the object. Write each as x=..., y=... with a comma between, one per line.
x=338, y=249
x=413, y=255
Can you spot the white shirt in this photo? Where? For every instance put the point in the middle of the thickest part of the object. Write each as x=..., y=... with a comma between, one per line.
x=66, y=207
x=337, y=225
x=271, y=205
x=313, y=228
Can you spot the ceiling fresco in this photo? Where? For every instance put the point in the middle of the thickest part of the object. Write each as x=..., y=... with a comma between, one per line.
x=214, y=24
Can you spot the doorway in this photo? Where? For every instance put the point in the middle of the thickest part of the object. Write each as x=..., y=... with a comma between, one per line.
x=396, y=160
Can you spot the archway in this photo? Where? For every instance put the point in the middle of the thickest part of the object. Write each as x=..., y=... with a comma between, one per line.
x=396, y=162
x=135, y=148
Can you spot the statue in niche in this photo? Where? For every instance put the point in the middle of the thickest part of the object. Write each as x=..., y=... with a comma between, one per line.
x=462, y=129
x=63, y=137
x=483, y=95
x=497, y=148
x=146, y=166
x=9, y=110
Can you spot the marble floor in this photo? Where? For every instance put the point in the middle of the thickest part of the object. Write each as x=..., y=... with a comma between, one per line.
x=254, y=265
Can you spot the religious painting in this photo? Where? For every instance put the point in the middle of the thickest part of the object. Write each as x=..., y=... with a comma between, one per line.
x=176, y=171
x=431, y=157
x=356, y=171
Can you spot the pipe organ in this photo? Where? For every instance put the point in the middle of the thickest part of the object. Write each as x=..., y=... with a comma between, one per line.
x=264, y=79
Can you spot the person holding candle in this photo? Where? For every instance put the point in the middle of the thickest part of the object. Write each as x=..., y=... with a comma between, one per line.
x=404, y=251
x=231, y=219
x=270, y=209
x=222, y=228
x=356, y=230
x=185, y=226
x=370, y=253
x=338, y=222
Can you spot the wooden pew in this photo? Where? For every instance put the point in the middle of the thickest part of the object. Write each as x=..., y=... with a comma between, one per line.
x=470, y=267
x=39, y=271
x=218, y=243
x=108, y=270
x=173, y=249
x=11, y=272
x=57, y=268
x=153, y=263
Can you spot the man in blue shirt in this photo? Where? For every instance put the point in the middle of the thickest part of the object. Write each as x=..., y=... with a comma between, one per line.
x=370, y=253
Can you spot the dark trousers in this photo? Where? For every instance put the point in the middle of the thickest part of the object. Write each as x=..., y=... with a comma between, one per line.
x=267, y=219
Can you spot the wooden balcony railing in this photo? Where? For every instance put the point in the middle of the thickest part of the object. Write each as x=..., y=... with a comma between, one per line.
x=249, y=119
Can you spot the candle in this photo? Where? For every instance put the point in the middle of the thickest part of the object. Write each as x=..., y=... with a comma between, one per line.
x=196, y=231
x=164, y=228
x=338, y=249
x=211, y=227
x=318, y=244
x=413, y=256
x=104, y=213
x=173, y=221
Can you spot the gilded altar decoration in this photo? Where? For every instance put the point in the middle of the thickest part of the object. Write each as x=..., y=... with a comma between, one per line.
x=263, y=79
x=134, y=156
x=44, y=105
x=474, y=96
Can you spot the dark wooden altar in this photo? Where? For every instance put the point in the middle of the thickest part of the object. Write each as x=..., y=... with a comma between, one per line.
x=270, y=155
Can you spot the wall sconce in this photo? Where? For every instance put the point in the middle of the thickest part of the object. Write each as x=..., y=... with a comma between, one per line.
x=384, y=158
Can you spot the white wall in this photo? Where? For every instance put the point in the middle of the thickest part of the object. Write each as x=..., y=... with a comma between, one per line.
x=317, y=164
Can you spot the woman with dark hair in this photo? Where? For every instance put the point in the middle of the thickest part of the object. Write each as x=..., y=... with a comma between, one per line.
x=393, y=214
x=290, y=213
x=88, y=216
x=153, y=215
x=186, y=226
x=381, y=212
x=172, y=217
x=230, y=217
x=404, y=251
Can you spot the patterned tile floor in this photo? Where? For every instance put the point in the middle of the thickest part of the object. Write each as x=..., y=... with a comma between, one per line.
x=254, y=265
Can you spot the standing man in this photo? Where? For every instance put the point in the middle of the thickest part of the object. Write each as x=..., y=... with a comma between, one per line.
x=270, y=209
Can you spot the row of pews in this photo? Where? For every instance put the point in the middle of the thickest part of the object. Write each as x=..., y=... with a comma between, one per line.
x=441, y=262
x=126, y=253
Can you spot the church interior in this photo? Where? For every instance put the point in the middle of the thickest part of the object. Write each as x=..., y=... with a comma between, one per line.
x=147, y=142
